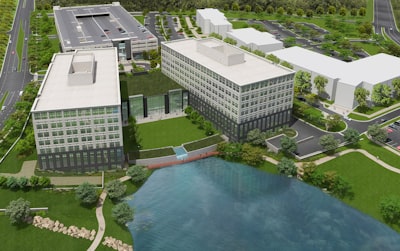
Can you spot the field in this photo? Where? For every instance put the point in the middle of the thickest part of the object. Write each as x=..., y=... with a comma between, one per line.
x=370, y=182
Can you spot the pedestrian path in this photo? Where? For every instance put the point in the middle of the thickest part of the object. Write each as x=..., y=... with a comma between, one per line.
x=331, y=157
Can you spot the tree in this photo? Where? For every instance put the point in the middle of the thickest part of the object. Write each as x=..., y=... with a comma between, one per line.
x=332, y=10
x=247, y=8
x=12, y=183
x=362, y=11
x=361, y=95
x=34, y=181
x=320, y=83
x=115, y=189
x=280, y=11
x=235, y=6
x=332, y=121
x=343, y=11
x=270, y=10
x=23, y=182
x=309, y=13
x=300, y=12
x=396, y=87
x=289, y=42
x=256, y=137
x=309, y=169
x=288, y=145
x=258, y=9
x=311, y=98
x=138, y=173
x=320, y=10
x=18, y=210
x=133, y=133
x=287, y=167
x=328, y=142
x=377, y=133
x=273, y=58
x=302, y=81
x=252, y=155
x=208, y=127
x=381, y=94
x=353, y=12
x=122, y=213
x=289, y=11
x=86, y=193
x=287, y=65
x=351, y=136
x=390, y=209
x=44, y=181
x=3, y=181
x=153, y=64
x=230, y=41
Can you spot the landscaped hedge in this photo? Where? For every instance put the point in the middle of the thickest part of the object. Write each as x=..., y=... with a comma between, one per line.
x=215, y=139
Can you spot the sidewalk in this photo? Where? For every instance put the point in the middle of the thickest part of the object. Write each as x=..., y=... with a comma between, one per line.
x=193, y=29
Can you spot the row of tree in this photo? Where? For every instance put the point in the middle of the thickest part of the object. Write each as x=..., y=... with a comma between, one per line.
x=382, y=94
x=24, y=183
x=200, y=121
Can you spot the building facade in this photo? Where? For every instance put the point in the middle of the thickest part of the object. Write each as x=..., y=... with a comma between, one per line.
x=77, y=113
x=236, y=90
x=212, y=21
x=255, y=40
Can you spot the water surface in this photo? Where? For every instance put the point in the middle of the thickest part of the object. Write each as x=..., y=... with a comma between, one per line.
x=214, y=205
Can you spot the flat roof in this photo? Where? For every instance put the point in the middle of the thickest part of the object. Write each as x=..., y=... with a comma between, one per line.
x=373, y=69
x=97, y=25
x=251, y=35
x=57, y=92
x=253, y=69
x=311, y=60
x=214, y=15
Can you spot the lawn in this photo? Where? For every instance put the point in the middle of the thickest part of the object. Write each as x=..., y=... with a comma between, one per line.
x=239, y=24
x=170, y=132
x=13, y=163
x=377, y=150
x=62, y=206
x=371, y=48
x=140, y=19
x=370, y=182
x=20, y=45
x=154, y=83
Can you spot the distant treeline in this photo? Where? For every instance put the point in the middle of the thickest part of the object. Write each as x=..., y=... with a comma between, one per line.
x=169, y=5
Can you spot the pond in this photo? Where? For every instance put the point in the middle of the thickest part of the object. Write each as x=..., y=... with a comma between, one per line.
x=212, y=204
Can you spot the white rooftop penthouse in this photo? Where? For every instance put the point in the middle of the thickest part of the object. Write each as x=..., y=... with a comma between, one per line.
x=212, y=21
x=255, y=40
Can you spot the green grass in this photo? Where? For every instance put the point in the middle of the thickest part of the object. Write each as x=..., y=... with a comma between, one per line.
x=155, y=83
x=370, y=182
x=62, y=206
x=371, y=48
x=215, y=139
x=3, y=99
x=170, y=132
x=140, y=19
x=13, y=163
x=377, y=150
x=239, y=24
x=268, y=167
x=153, y=153
x=20, y=45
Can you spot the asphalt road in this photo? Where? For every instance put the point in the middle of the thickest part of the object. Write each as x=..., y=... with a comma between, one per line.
x=150, y=23
x=384, y=20
x=15, y=73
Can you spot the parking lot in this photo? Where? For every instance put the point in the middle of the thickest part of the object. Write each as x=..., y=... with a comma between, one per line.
x=393, y=139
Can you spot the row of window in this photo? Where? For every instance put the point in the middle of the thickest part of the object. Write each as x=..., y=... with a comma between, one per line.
x=75, y=113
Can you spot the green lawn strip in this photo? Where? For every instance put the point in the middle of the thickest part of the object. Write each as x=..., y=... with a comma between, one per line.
x=377, y=150
x=140, y=19
x=155, y=83
x=13, y=163
x=239, y=24
x=268, y=167
x=370, y=182
x=3, y=99
x=203, y=143
x=370, y=48
x=170, y=132
x=62, y=207
x=20, y=45
x=370, y=11
x=377, y=108
x=358, y=117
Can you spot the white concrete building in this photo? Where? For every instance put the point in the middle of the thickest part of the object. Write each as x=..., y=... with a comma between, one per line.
x=212, y=21
x=255, y=40
x=77, y=113
x=232, y=88
x=343, y=78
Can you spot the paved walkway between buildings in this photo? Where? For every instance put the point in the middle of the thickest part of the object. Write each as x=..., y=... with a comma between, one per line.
x=331, y=157
x=28, y=170
x=190, y=26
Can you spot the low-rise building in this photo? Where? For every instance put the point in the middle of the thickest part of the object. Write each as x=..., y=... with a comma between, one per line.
x=100, y=26
x=77, y=113
x=212, y=21
x=255, y=40
x=343, y=77
x=234, y=89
